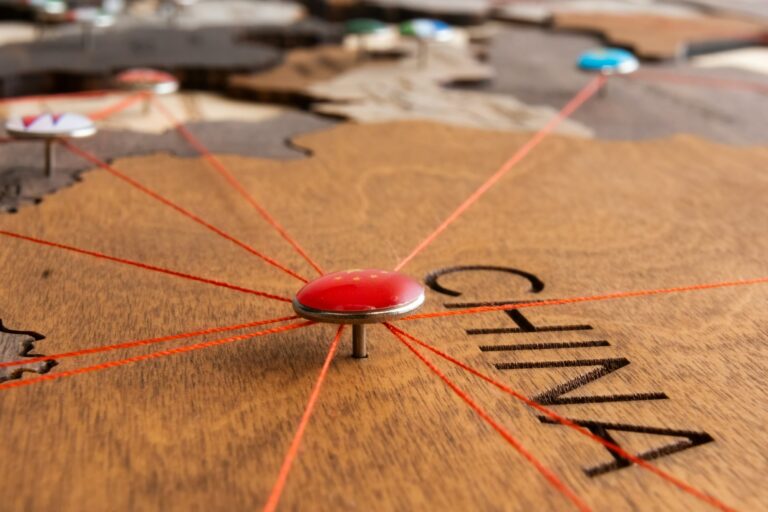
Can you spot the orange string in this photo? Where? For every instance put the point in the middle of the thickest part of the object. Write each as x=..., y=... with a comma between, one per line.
x=581, y=97
x=230, y=178
x=154, y=355
x=121, y=105
x=93, y=159
x=293, y=449
x=145, y=266
x=139, y=343
x=592, y=298
x=542, y=469
x=564, y=421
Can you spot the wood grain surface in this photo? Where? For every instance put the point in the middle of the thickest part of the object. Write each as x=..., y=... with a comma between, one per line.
x=659, y=37
x=208, y=429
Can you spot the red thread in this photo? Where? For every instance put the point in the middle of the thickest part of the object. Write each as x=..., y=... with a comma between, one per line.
x=293, y=450
x=121, y=105
x=230, y=178
x=153, y=355
x=542, y=469
x=582, y=96
x=139, y=343
x=93, y=159
x=592, y=298
x=564, y=421
x=704, y=81
x=144, y=266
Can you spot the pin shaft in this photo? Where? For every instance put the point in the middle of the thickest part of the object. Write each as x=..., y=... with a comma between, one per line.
x=359, y=345
x=49, y=157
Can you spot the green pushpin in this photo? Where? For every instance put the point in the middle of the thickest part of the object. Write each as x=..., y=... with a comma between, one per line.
x=360, y=28
x=364, y=26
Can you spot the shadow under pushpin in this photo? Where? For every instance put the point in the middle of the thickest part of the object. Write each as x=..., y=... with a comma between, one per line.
x=357, y=298
x=152, y=82
x=608, y=62
x=49, y=128
x=426, y=30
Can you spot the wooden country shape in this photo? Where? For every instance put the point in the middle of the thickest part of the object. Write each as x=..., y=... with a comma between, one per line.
x=210, y=428
x=659, y=37
x=464, y=12
x=743, y=8
x=754, y=60
x=631, y=108
x=401, y=99
x=229, y=13
x=336, y=82
x=201, y=57
x=544, y=11
x=291, y=80
x=405, y=90
x=16, y=32
x=17, y=345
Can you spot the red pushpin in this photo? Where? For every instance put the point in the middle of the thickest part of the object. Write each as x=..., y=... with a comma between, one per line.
x=148, y=81
x=359, y=297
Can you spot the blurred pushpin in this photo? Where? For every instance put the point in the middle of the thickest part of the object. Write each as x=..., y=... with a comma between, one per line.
x=608, y=61
x=150, y=81
x=425, y=30
x=361, y=30
x=48, y=11
x=49, y=128
x=90, y=18
x=359, y=297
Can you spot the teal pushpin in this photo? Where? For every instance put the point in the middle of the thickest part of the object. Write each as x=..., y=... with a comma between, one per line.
x=608, y=61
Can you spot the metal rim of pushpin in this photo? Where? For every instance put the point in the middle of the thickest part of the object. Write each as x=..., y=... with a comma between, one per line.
x=156, y=88
x=373, y=316
x=78, y=133
x=358, y=319
x=624, y=68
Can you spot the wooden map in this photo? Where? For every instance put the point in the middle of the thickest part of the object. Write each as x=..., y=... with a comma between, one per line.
x=592, y=250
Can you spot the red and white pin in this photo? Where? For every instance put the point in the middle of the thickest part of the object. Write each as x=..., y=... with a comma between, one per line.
x=49, y=127
x=147, y=80
x=359, y=297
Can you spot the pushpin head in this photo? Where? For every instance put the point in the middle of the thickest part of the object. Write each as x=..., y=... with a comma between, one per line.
x=359, y=297
x=609, y=61
x=51, y=126
x=150, y=80
x=50, y=7
x=92, y=16
x=424, y=28
x=364, y=26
